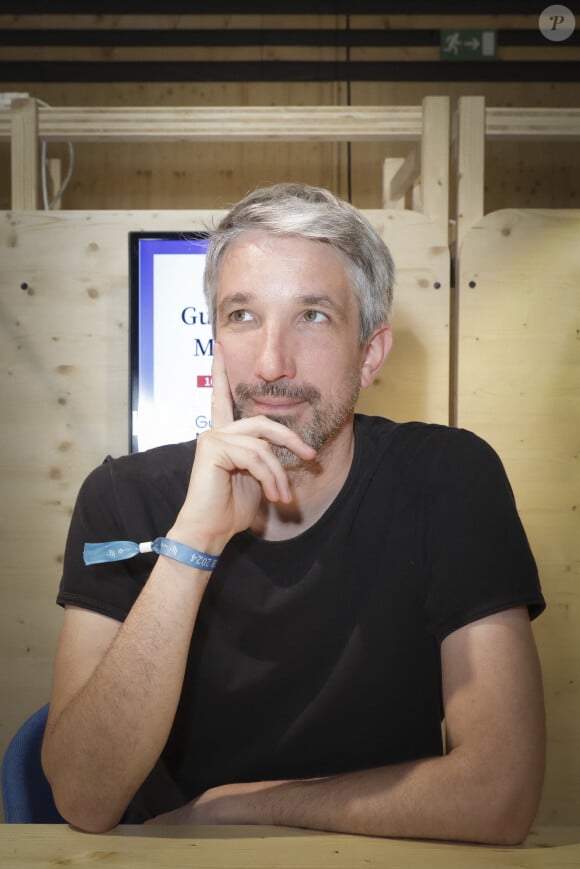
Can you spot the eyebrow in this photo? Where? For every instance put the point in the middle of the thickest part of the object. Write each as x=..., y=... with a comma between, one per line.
x=321, y=300
x=314, y=300
x=236, y=300
x=318, y=301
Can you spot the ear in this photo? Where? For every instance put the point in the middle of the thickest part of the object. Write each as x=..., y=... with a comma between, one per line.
x=377, y=349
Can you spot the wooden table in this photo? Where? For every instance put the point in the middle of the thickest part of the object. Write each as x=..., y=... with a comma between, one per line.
x=31, y=846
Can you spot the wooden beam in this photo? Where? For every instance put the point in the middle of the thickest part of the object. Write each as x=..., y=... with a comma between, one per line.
x=469, y=149
x=334, y=123
x=54, y=179
x=24, y=155
x=407, y=175
x=533, y=124
x=435, y=163
x=230, y=123
x=5, y=124
x=391, y=166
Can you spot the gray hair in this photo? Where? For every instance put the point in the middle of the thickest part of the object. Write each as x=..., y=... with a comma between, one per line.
x=317, y=214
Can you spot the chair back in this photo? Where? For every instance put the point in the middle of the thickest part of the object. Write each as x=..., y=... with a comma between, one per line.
x=26, y=793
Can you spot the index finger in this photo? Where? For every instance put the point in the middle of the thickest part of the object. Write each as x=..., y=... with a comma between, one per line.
x=222, y=409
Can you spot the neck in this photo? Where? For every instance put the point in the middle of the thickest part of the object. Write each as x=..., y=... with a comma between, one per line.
x=314, y=487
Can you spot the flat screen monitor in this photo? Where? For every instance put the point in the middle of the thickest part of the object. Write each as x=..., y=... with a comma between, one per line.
x=171, y=342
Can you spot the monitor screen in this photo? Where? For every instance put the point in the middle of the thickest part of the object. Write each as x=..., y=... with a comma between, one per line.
x=171, y=343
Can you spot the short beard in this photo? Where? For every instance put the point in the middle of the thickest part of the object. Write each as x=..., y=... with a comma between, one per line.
x=326, y=422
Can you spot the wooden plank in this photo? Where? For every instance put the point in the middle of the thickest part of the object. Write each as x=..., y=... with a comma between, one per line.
x=469, y=150
x=407, y=175
x=417, y=197
x=257, y=847
x=519, y=382
x=24, y=154
x=229, y=123
x=5, y=124
x=435, y=21
x=54, y=179
x=391, y=165
x=414, y=382
x=256, y=49
x=435, y=163
x=233, y=123
x=260, y=49
x=533, y=124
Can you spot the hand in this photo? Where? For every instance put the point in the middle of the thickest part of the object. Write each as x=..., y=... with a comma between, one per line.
x=234, y=468
x=226, y=804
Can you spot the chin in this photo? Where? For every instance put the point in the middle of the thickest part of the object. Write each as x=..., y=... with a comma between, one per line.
x=289, y=460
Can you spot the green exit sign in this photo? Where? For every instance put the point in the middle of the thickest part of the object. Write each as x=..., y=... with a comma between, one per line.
x=468, y=45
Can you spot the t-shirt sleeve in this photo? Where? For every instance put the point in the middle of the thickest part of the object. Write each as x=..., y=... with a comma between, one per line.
x=480, y=561
x=111, y=588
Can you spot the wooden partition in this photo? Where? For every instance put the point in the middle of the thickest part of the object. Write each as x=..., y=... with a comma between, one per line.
x=64, y=325
x=518, y=385
x=474, y=124
x=425, y=170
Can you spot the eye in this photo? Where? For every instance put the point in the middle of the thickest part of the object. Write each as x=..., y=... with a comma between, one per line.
x=240, y=316
x=314, y=316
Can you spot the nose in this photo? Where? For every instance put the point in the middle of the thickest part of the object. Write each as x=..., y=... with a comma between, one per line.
x=274, y=357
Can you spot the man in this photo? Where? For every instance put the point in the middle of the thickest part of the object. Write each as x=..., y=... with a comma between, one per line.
x=326, y=589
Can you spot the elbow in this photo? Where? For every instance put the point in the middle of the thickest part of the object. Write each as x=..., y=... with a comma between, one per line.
x=74, y=803
x=515, y=825
x=507, y=832
x=90, y=827
x=504, y=797
x=82, y=812
x=511, y=815
x=85, y=817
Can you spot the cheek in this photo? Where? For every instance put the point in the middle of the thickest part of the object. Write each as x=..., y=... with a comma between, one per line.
x=324, y=349
x=335, y=375
x=238, y=359
x=334, y=357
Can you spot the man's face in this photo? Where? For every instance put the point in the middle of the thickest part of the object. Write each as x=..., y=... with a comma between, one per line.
x=287, y=319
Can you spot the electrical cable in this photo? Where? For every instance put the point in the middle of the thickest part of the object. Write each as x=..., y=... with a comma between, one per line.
x=49, y=204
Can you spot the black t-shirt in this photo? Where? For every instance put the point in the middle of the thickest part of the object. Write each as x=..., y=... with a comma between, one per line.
x=319, y=654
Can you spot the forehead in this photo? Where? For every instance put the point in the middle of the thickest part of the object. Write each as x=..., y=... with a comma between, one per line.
x=263, y=259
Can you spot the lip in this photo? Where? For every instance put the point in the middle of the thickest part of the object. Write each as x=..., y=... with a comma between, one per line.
x=266, y=406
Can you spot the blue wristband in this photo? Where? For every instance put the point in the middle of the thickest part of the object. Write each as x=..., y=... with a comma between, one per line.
x=185, y=554
x=119, y=550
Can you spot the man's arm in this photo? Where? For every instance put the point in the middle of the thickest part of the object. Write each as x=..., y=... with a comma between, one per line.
x=114, y=695
x=116, y=687
x=485, y=789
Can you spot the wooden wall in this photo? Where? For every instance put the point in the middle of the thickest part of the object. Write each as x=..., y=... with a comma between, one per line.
x=519, y=387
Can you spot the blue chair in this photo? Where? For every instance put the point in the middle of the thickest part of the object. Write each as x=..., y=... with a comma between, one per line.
x=25, y=791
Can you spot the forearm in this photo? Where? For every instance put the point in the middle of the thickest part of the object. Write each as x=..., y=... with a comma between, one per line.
x=485, y=789
x=449, y=798
x=103, y=743
x=116, y=690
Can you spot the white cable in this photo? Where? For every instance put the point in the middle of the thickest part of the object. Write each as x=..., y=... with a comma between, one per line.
x=68, y=176
x=49, y=205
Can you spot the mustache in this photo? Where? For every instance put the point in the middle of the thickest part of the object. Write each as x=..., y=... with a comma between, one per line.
x=277, y=389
